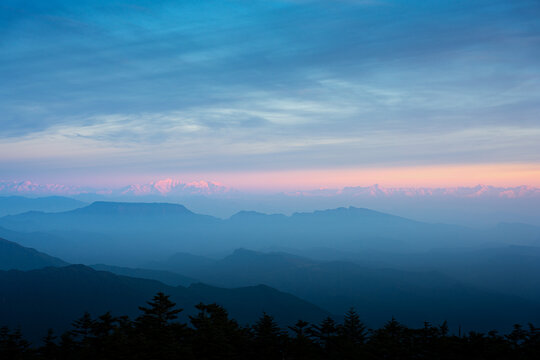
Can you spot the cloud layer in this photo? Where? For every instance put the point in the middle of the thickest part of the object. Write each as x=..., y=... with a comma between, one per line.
x=93, y=90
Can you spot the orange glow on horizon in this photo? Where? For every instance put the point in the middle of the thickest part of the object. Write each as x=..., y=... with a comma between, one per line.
x=432, y=176
x=504, y=175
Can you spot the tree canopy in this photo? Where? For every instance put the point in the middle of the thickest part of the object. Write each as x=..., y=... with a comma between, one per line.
x=212, y=334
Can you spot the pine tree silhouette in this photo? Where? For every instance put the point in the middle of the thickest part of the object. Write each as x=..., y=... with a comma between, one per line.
x=49, y=350
x=353, y=329
x=301, y=345
x=324, y=331
x=160, y=313
x=269, y=339
x=156, y=332
x=13, y=345
x=216, y=336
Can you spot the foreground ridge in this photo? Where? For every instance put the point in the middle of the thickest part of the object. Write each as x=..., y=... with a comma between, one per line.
x=211, y=334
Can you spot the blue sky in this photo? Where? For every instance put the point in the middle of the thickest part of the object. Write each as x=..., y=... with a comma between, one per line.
x=96, y=90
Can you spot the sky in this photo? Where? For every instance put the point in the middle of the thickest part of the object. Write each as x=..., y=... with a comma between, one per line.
x=271, y=94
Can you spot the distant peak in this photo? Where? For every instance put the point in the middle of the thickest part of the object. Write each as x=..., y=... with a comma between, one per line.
x=171, y=186
x=134, y=208
x=243, y=254
x=378, y=191
x=253, y=215
x=244, y=251
x=248, y=213
x=162, y=187
x=351, y=210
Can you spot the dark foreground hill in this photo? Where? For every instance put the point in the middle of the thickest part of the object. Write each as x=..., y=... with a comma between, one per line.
x=16, y=257
x=166, y=277
x=378, y=294
x=157, y=333
x=52, y=297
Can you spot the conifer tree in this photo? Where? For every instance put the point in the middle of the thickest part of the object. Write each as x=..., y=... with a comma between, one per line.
x=160, y=312
x=269, y=339
x=156, y=332
x=82, y=327
x=13, y=345
x=216, y=336
x=353, y=329
x=325, y=332
x=49, y=350
x=302, y=346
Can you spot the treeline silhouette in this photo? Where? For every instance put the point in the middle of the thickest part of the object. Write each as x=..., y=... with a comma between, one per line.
x=211, y=334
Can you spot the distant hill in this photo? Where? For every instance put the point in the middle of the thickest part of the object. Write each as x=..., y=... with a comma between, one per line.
x=509, y=269
x=152, y=230
x=74, y=246
x=11, y=205
x=129, y=234
x=411, y=296
x=16, y=257
x=351, y=228
x=119, y=233
x=52, y=297
x=181, y=263
x=166, y=277
x=108, y=217
x=101, y=208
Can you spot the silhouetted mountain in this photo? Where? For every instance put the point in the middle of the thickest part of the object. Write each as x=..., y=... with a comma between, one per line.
x=150, y=230
x=504, y=269
x=52, y=297
x=101, y=208
x=166, y=277
x=378, y=294
x=508, y=269
x=73, y=246
x=16, y=257
x=107, y=217
x=100, y=216
x=181, y=263
x=254, y=216
x=119, y=233
x=11, y=205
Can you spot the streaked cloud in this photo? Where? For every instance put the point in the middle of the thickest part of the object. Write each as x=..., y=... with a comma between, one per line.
x=167, y=87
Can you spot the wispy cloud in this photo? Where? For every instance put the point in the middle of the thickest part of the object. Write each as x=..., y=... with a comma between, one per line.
x=266, y=84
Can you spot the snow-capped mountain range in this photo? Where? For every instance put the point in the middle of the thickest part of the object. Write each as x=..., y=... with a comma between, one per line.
x=458, y=192
x=176, y=188
x=165, y=187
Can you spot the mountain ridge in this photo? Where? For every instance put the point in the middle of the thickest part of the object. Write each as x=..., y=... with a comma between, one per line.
x=16, y=257
x=64, y=293
x=11, y=205
x=377, y=293
x=113, y=226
